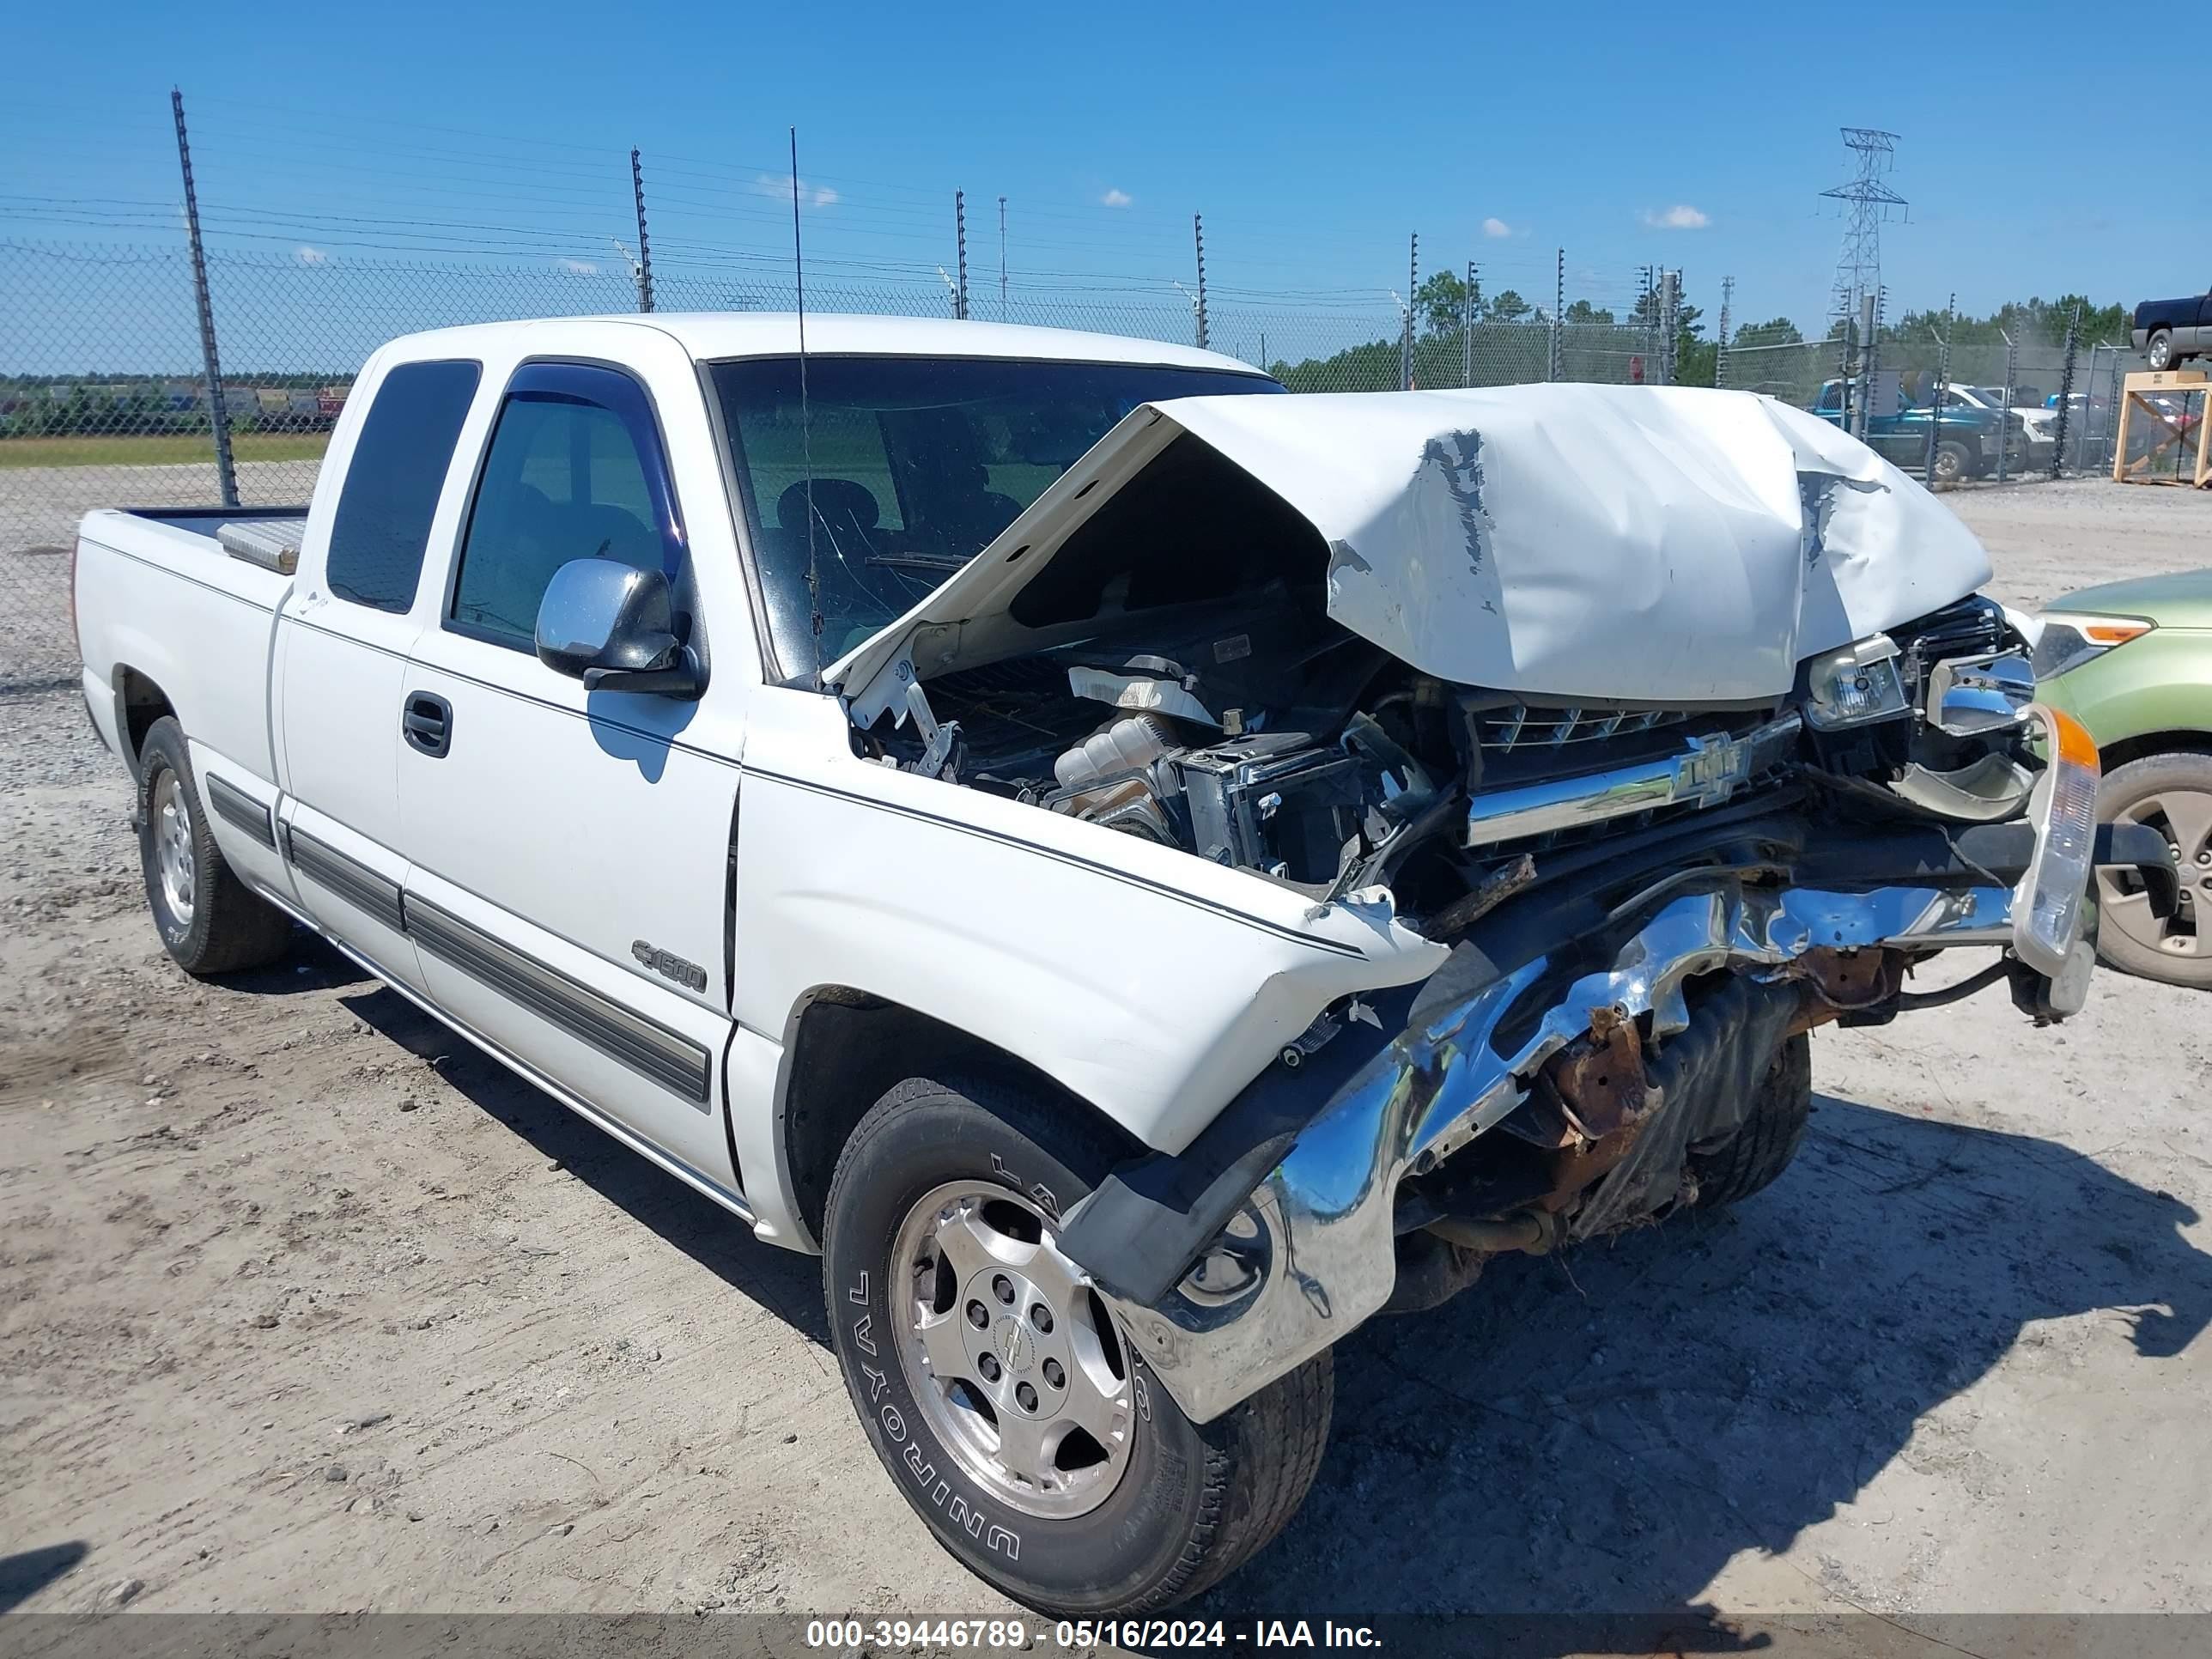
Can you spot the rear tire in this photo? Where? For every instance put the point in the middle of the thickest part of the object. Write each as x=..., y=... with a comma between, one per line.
x=2159, y=354
x=2173, y=793
x=1761, y=1150
x=211, y=922
x=1173, y=1506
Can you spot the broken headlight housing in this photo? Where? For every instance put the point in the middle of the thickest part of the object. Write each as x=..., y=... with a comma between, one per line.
x=1858, y=683
x=2070, y=639
x=2050, y=904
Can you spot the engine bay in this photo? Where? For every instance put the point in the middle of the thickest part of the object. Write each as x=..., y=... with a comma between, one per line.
x=1261, y=736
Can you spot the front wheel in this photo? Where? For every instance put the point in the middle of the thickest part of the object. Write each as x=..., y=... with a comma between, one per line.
x=2172, y=793
x=1760, y=1148
x=999, y=1391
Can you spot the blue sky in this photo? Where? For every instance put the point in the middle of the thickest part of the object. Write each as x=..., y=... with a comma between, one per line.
x=1312, y=137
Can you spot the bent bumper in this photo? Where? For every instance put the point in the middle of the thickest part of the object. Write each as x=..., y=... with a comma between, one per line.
x=1309, y=1253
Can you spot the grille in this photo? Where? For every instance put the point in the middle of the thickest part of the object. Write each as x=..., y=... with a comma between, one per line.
x=1521, y=728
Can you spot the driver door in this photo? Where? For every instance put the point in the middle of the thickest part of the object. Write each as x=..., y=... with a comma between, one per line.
x=570, y=850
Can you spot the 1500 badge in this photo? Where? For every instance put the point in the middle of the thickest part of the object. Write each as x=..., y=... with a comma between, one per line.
x=669, y=965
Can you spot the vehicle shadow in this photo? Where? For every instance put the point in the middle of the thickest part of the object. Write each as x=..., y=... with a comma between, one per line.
x=26, y=1572
x=1601, y=1433
x=311, y=963
x=786, y=1283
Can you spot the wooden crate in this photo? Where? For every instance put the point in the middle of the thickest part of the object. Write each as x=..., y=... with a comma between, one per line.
x=2186, y=381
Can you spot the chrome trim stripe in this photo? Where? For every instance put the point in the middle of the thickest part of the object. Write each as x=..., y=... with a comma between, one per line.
x=348, y=879
x=667, y=1058
x=1707, y=772
x=233, y=803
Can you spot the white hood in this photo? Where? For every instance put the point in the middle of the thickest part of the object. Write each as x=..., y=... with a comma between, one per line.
x=1608, y=543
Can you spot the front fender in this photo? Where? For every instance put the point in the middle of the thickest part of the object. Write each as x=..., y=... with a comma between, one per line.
x=1145, y=980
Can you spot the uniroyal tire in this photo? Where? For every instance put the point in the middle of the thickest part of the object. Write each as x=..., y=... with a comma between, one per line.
x=1757, y=1153
x=222, y=927
x=1192, y=1501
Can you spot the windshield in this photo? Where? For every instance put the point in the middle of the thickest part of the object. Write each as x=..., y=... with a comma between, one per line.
x=916, y=464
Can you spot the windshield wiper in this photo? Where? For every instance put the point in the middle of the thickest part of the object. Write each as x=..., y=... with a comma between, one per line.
x=945, y=562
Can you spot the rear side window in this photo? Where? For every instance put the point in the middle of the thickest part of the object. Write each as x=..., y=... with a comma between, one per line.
x=392, y=484
x=575, y=470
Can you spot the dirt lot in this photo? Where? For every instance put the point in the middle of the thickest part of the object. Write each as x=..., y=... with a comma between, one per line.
x=307, y=1306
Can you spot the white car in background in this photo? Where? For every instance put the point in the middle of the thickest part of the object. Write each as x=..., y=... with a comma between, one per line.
x=2040, y=425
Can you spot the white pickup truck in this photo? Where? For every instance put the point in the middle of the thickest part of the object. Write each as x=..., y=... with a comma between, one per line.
x=1141, y=870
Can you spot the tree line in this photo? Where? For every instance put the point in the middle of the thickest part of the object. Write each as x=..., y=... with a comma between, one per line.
x=1446, y=306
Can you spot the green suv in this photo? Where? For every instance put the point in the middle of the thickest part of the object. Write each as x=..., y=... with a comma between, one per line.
x=2132, y=660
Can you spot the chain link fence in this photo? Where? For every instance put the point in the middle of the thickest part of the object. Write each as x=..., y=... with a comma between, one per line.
x=104, y=398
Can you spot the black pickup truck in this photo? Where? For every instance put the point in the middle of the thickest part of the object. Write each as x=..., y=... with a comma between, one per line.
x=2169, y=332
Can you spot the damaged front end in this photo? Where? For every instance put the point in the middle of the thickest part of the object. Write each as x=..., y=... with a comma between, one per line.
x=1556, y=1079
x=1663, y=713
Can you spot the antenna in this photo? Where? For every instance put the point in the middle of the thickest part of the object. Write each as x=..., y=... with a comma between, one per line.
x=805, y=420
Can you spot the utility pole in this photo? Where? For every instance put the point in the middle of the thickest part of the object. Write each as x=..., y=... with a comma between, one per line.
x=1557, y=366
x=960, y=238
x=1720, y=340
x=1670, y=309
x=1198, y=237
x=1413, y=292
x=226, y=470
x=1869, y=328
x=644, y=246
x=1942, y=390
x=1467, y=328
x=1002, y=258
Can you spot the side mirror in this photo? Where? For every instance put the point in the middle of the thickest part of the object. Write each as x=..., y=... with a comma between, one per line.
x=612, y=626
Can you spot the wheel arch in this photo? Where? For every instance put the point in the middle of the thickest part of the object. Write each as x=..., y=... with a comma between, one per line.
x=2120, y=752
x=845, y=1048
x=140, y=701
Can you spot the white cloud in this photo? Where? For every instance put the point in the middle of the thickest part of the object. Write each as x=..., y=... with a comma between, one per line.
x=577, y=267
x=778, y=184
x=1115, y=198
x=1680, y=216
x=1496, y=227
x=310, y=256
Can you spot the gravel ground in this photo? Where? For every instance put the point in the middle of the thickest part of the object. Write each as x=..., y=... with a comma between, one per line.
x=309, y=1308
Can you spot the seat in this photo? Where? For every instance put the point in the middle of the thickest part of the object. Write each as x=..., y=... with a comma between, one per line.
x=840, y=506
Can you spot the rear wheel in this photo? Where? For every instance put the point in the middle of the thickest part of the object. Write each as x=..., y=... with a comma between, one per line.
x=2172, y=793
x=1772, y=1131
x=210, y=921
x=2159, y=354
x=997, y=1387
x=1953, y=461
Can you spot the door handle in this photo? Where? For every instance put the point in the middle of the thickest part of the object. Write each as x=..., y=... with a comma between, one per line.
x=427, y=723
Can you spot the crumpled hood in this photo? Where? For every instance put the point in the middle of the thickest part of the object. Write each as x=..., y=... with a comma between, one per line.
x=1608, y=543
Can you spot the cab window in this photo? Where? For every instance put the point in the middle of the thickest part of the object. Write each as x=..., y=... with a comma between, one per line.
x=392, y=483
x=574, y=470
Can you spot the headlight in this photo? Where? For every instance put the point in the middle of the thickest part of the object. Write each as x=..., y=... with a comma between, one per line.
x=2069, y=639
x=1857, y=683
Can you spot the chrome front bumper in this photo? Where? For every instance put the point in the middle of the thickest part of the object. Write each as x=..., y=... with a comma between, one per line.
x=1312, y=1253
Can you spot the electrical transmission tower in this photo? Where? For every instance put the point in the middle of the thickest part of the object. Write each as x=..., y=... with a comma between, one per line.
x=1868, y=201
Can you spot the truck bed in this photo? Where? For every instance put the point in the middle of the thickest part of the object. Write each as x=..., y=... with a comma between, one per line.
x=160, y=598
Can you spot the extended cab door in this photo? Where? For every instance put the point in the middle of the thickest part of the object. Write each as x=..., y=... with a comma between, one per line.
x=569, y=880
x=342, y=641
